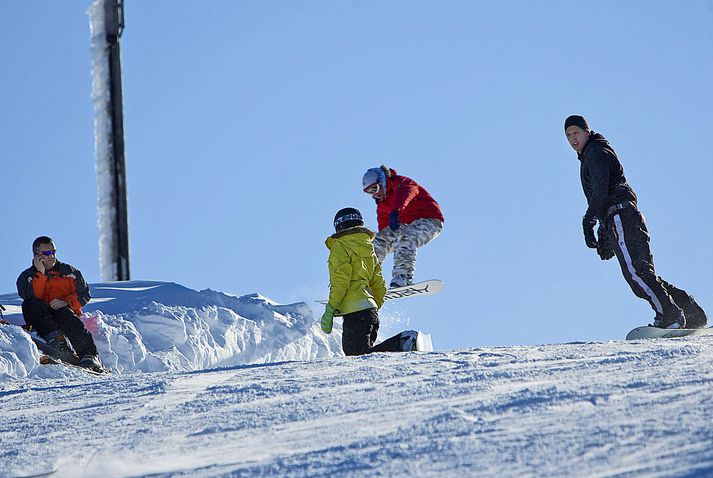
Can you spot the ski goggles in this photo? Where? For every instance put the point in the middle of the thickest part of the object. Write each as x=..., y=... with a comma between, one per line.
x=373, y=189
x=46, y=253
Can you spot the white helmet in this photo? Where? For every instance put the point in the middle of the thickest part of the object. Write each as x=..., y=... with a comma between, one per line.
x=374, y=176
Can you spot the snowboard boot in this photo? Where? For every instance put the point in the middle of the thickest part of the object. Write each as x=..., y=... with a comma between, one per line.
x=695, y=316
x=674, y=319
x=399, y=281
x=91, y=362
x=62, y=349
x=408, y=340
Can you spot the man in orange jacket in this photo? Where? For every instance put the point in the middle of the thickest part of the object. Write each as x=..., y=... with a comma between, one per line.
x=53, y=294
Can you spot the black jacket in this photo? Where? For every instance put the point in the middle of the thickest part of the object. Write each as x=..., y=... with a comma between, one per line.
x=602, y=178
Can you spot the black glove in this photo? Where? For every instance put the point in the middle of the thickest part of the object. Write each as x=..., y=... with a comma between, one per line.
x=604, y=248
x=589, y=239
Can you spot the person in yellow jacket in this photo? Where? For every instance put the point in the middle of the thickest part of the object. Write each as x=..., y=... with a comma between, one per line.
x=356, y=286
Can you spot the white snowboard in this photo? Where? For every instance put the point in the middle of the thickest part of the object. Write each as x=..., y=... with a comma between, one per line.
x=648, y=332
x=423, y=342
x=427, y=287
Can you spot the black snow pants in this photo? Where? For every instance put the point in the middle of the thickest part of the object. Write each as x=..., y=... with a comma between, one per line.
x=359, y=331
x=630, y=239
x=47, y=322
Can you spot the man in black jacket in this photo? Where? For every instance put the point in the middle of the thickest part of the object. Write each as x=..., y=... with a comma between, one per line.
x=622, y=228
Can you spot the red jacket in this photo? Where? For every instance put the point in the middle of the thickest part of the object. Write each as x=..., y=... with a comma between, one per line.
x=409, y=198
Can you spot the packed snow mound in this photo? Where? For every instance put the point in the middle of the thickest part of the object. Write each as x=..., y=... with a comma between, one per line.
x=163, y=326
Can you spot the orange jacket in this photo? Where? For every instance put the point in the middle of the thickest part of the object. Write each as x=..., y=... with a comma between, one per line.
x=62, y=282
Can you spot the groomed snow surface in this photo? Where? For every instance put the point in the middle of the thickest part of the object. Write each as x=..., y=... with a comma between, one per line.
x=208, y=384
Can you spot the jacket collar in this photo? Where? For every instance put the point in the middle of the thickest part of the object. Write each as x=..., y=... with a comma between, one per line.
x=353, y=230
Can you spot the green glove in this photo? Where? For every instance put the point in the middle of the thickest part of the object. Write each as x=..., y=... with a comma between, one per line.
x=328, y=319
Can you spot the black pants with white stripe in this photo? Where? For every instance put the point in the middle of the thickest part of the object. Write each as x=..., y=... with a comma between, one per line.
x=630, y=238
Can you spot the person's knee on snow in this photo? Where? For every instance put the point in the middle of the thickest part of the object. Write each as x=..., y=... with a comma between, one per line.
x=359, y=332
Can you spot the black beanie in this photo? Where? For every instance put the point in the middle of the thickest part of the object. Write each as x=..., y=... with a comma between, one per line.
x=346, y=218
x=576, y=120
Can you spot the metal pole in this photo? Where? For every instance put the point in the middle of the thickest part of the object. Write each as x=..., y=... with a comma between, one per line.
x=114, y=18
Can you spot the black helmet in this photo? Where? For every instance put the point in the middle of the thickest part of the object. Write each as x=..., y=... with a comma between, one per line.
x=346, y=218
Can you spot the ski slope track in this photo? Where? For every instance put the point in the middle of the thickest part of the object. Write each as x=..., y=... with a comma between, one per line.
x=637, y=408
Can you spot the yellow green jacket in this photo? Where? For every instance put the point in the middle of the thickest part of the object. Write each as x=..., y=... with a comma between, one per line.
x=355, y=280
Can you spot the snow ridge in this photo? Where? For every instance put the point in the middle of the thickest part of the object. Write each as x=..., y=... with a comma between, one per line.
x=161, y=326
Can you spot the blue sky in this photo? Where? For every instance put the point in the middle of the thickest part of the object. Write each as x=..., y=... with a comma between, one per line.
x=249, y=124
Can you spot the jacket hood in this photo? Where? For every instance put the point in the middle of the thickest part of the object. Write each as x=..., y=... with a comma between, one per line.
x=355, y=238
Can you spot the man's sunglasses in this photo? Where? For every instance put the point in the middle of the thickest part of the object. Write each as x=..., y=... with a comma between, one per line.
x=46, y=253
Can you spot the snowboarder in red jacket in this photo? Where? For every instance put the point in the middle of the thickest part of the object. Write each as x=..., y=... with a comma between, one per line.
x=408, y=218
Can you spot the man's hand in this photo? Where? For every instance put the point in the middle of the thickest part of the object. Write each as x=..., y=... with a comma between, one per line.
x=394, y=223
x=39, y=263
x=604, y=247
x=57, y=304
x=589, y=238
x=328, y=319
x=588, y=224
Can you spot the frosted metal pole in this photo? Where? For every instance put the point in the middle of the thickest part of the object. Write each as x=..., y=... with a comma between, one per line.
x=107, y=23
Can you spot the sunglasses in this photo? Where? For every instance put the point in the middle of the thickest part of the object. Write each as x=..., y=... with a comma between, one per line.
x=46, y=253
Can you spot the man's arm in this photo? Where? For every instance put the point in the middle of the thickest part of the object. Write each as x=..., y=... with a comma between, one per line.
x=24, y=285
x=83, y=295
x=598, y=167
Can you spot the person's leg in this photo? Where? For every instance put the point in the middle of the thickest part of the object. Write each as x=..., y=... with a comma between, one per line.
x=630, y=239
x=384, y=243
x=402, y=342
x=695, y=315
x=74, y=330
x=38, y=315
x=359, y=331
x=411, y=237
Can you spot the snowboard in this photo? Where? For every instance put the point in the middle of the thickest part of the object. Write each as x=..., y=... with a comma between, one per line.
x=427, y=287
x=648, y=332
x=49, y=360
x=50, y=356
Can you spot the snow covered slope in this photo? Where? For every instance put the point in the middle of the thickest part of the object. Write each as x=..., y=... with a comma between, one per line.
x=156, y=326
x=240, y=386
x=588, y=409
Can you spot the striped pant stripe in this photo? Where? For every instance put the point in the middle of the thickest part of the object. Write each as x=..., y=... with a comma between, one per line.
x=630, y=265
